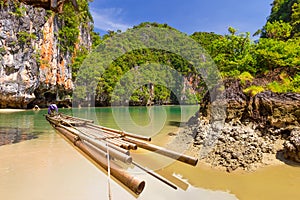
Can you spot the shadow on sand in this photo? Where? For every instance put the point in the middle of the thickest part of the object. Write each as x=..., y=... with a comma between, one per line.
x=280, y=156
x=175, y=123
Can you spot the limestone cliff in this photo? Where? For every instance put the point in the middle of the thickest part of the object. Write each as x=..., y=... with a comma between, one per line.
x=35, y=66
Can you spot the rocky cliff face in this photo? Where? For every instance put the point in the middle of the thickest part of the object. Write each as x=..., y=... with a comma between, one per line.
x=33, y=67
x=272, y=110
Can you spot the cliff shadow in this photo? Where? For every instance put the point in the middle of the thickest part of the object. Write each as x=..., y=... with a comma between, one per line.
x=175, y=123
x=280, y=156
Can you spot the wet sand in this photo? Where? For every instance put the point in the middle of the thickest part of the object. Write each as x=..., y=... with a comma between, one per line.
x=50, y=168
x=276, y=181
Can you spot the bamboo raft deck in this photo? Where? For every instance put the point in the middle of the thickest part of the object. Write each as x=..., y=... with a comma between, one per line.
x=104, y=145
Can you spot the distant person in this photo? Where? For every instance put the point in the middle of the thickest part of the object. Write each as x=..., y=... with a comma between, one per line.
x=36, y=107
x=52, y=109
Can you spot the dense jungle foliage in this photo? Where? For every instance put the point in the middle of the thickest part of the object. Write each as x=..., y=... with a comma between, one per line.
x=273, y=58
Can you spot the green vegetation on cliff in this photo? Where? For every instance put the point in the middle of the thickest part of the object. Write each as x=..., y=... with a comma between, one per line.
x=286, y=12
x=73, y=21
x=276, y=54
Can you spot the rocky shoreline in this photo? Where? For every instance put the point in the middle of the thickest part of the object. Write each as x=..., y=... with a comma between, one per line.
x=245, y=132
x=239, y=146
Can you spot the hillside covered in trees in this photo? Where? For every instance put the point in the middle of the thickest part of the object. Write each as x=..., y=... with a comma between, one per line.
x=270, y=63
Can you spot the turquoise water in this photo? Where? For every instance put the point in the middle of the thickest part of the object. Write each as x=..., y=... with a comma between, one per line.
x=48, y=167
x=150, y=121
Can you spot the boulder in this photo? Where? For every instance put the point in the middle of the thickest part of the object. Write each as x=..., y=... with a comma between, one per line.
x=276, y=110
x=292, y=146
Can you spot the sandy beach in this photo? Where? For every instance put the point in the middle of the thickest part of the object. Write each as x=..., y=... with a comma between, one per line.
x=8, y=110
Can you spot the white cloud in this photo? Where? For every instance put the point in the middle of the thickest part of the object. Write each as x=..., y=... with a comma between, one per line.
x=108, y=19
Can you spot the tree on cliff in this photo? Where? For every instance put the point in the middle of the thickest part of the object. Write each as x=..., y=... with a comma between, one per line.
x=285, y=17
x=279, y=46
x=55, y=5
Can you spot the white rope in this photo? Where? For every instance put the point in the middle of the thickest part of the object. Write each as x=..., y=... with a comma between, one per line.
x=108, y=173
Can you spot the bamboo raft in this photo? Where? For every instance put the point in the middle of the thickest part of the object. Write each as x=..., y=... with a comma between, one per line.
x=104, y=145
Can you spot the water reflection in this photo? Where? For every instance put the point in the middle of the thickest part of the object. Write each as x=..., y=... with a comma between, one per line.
x=15, y=135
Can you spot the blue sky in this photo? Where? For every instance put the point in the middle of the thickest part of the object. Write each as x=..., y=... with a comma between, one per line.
x=186, y=16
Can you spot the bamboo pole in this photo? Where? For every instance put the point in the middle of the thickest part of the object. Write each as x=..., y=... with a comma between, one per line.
x=114, y=153
x=118, y=143
x=86, y=139
x=109, y=130
x=157, y=149
x=131, y=145
x=102, y=153
x=155, y=175
x=174, y=180
x=125, y=151
x=128, y=180
x=114, y=138
x=100, y=137
x=141, y=137
x=76, y=118
x=175, y=155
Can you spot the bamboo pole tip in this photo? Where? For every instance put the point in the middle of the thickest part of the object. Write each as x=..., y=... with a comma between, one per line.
x=140, y=187
x=128, y=160
x=137, y=186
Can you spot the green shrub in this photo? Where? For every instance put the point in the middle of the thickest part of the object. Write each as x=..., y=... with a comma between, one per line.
x=20, y=11
x=2, y=50
x=245, y=76
x=275, y=87
x=295, y=83
x=25, y=37
x=271, y=54
x=254, y=90
x=284, y=86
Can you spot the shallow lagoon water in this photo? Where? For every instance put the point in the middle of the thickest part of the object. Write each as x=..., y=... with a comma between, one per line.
x=48, y=167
